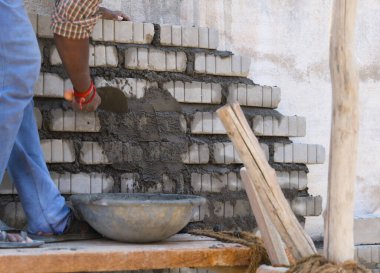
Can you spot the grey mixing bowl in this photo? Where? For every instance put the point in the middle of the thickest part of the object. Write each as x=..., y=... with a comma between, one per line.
x=136, y=218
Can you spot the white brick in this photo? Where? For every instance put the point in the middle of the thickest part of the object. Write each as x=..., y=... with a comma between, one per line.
x=97, y=33
x=193, y=92
x=210, y=64
x=166, y=35
x=302, y=180
x=179, y=91
x=229, y=153
x=268, y=125
x=91, y=56
x=123, y=31
x=255, y=95
x=280, y=126
x=131, y=58
x=299, y=153
x=292, y=126
x=307, y=206
x=233, y=181
x=258, y=125
x=39, y=86
x=181, y=61
x=138, y=33
x=38, y=117
x=92, y=153
x=71, y=121
x=207, y=123
x=217, y=125
x=311, y=154
x=157, y=60
x=206, y=182
x=148, y=33
x=283, y=179
x=58, y=150
x=366, y=229
x=278, y=152
x=197, y=123
x=301, y=126
x=321, y=154
x=190, y=37
x=204, y=154
x=242, y=94
x=109, y=30
x=33, y=20
x=44, y=30
x=80, y=183
x=236, y=65
x=53, y=85
x=223, y=65
x=288, y=153
x=55, y=59
x=111, y=56
x=100, y=55
x=176, y=35
x=196, y=182
x=203, y=37
x=213, y=41
x=276, y=97
x=143, y=58
x=200, y=63
x=216, y=93
x=206, y=92
x=171, y=61
x=267, y=96
x=170, y=87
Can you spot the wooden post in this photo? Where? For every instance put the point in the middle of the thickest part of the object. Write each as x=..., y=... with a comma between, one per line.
x=339, y=243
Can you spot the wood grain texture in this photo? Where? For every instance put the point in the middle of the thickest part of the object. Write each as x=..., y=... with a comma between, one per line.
x=269, y=234
x=265, y=180
x=339, y=242
x=105, y=255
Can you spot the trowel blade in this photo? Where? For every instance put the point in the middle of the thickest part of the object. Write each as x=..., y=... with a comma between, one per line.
x=113, y=99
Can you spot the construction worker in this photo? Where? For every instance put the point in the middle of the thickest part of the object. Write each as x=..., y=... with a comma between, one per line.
x=21, y=154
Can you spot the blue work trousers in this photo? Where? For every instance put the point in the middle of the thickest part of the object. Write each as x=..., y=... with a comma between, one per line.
x=20, y=149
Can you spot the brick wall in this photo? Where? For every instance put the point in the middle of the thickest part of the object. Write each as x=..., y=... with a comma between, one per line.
x=171, y=140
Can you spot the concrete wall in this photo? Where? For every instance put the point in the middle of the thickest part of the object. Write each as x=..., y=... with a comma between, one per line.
x=288, y=43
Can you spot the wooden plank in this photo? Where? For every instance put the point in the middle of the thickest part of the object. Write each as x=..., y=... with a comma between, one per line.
x=105, y=255
x=247, y=145
x=339, y=221
x=269, y=234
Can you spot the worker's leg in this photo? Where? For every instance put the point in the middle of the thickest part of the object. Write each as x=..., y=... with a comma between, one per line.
x=43, y=205
x=19, y=70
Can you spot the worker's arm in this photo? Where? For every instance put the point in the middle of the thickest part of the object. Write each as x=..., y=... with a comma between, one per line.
x=72, y=41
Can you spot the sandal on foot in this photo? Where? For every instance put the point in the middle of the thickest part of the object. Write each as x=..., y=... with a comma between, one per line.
x=76, y=230
x=7, y=233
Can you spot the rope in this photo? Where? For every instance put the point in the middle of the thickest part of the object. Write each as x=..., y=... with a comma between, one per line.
x=319, y=264
x=259, y=253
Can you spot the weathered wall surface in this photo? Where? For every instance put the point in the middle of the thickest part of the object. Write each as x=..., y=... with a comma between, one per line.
x=288, y=43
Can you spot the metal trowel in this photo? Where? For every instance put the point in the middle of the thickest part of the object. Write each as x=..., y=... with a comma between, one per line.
x=113, y=99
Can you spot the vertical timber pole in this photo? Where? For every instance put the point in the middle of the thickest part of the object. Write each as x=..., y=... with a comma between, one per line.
x=339, y=220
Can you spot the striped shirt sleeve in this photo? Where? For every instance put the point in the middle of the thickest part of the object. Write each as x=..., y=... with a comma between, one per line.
x=75, y=19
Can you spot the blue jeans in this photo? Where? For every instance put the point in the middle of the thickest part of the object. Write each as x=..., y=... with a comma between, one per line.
x=20, y=150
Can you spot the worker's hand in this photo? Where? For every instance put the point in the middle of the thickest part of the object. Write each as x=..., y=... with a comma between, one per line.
x=77, y=106
x=113, y=15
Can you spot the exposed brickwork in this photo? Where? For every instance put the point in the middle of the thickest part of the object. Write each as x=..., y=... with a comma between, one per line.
x=171, y=139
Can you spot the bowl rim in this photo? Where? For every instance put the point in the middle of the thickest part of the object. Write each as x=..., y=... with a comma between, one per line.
x=102, y=200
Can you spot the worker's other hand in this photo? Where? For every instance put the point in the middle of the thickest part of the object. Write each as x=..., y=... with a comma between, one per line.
x=113, y=15
x=84, y=107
